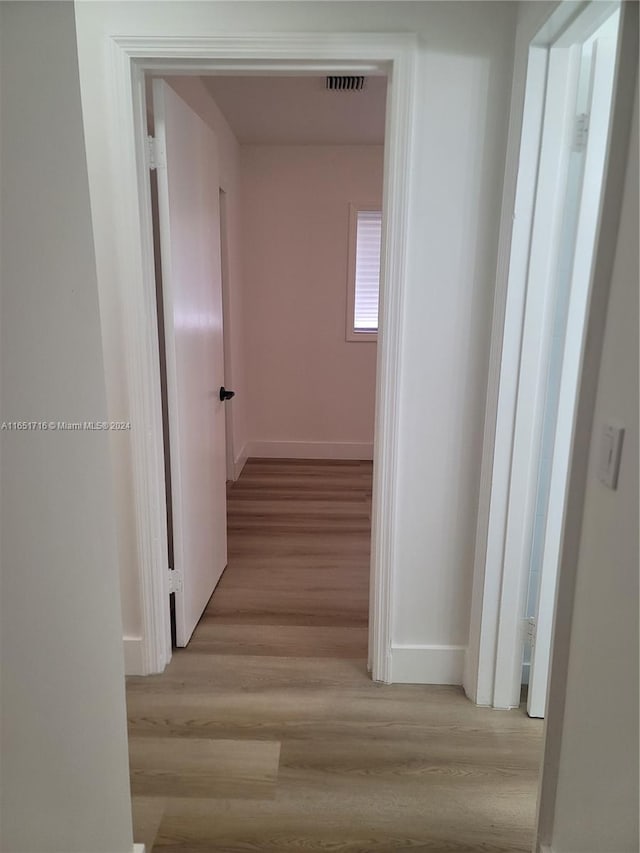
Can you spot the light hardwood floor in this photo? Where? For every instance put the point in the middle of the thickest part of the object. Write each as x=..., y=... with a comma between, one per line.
x=266, y=733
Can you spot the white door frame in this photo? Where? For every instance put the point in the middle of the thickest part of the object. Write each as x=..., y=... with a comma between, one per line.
x=508, y=477
x=601, y=72
x=321, y=53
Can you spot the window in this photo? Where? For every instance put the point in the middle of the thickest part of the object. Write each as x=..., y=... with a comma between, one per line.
x=365, y=238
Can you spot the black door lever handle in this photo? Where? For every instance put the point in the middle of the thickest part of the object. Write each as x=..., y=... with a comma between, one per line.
x=226, y=395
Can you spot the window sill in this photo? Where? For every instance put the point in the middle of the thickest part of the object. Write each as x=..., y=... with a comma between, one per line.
x=362, y=337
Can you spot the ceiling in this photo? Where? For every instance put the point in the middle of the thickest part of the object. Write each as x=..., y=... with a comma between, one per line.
x=300, y=110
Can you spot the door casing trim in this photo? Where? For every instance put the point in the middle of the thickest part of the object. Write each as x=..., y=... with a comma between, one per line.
x=127, y=60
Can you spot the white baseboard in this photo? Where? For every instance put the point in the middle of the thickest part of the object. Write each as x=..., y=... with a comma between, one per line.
x=133, y=657
x=427, y=664
x=138, y=848
x=240, y=462
x=310, y=449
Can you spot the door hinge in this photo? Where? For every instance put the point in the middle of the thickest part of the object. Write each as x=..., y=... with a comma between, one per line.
x=175, y=581
x=529, y=630
x=580, y=132
x=155, y=153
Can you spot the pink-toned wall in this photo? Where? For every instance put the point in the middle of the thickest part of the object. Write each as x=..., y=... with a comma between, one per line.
x=310, y=392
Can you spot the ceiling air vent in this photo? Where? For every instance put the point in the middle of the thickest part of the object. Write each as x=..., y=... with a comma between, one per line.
x=345, y=84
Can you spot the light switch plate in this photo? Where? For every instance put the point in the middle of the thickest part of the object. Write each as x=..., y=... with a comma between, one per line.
x=610, y=452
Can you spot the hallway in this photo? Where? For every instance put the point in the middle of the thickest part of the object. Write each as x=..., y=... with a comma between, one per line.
x=266, y=733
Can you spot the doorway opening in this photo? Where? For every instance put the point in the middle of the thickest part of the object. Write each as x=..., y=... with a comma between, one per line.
x=552, y=233
x=291, y=195
x=294, y=55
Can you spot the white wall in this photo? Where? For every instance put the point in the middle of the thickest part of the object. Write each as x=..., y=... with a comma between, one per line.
x=311, y=392
x=462, y=95
x=64, y=767
x=596, y=799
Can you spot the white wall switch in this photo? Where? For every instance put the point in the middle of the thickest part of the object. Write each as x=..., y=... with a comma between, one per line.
x=610, y=452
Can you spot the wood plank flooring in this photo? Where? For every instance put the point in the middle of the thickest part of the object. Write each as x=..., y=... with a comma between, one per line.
x=266, y=733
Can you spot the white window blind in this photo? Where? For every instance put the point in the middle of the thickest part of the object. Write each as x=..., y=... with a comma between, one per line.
x=367, y=277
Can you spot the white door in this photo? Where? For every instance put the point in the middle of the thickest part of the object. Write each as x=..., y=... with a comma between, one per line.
x=599, y=55
x=189, y=220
